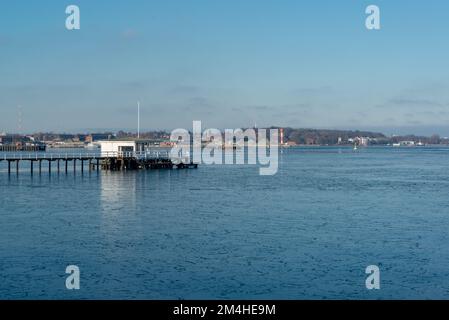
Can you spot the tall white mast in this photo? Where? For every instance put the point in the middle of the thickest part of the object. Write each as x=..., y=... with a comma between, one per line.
x=19, y=119
x=138, y=119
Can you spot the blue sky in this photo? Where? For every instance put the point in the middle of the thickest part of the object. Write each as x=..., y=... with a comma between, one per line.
x=228, y=63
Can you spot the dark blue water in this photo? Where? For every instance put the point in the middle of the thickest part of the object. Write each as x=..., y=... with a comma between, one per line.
x=226, y=232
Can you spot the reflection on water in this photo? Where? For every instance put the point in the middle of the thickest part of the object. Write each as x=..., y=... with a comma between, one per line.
x=118, y=191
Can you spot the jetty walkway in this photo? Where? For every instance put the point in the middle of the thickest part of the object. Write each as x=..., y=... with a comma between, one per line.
x=108, y=161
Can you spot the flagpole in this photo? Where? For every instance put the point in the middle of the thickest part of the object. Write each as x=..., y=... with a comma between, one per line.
x=138, y=119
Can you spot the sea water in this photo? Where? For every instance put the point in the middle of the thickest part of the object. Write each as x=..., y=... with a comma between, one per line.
x=225, y=232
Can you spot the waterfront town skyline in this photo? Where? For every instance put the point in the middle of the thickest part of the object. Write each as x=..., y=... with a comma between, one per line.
x=289, y=137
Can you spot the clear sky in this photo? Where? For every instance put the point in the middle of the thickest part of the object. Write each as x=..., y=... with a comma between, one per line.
x=229, y=63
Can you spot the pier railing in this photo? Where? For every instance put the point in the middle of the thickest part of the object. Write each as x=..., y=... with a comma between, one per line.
x=85, y=155
x=49, y=156
x=138, y=155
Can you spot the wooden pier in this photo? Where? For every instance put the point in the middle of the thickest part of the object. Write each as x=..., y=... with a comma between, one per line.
x=94, y=162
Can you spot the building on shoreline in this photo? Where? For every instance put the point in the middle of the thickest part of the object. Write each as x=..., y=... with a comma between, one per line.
x=20, y=143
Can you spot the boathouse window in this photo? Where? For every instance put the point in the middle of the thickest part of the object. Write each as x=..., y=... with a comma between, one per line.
x=126, y=149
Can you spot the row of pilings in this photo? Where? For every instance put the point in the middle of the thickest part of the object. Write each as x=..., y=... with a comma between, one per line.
x=94, y=164
x=59, y=165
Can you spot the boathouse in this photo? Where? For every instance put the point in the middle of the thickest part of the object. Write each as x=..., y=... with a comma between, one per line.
x=124, y=146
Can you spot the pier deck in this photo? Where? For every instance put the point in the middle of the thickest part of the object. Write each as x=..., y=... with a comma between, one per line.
x=109, y=161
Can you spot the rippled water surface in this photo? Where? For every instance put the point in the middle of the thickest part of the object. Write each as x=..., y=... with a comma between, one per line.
x=226, y=232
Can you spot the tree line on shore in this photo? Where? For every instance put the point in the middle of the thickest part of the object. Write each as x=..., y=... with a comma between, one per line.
x=291, y=135
x=335, y=137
